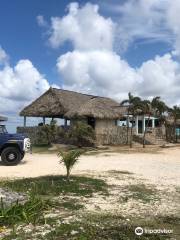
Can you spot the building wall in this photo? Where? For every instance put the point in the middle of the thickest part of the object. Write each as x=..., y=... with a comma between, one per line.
x=102, y=124
x=107, y=133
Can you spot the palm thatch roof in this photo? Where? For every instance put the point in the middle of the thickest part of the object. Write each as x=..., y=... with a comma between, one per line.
x=69, y=104
x=98, y=107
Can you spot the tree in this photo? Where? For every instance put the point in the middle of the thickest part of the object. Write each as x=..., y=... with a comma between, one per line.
x=146, y=108
x=50, y=131
x=133, y=104
x=155, y=107
x=175, y=113
x=69, y=159
x=159, y=108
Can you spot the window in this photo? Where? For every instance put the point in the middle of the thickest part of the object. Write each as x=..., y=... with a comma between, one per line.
x=2, y=129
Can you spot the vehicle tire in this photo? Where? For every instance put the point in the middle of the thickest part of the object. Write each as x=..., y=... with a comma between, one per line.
x=22, y=155
x=11, y=156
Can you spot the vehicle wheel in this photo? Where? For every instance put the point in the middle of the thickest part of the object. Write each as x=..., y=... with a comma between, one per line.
x=22, y=155
x=11, y=156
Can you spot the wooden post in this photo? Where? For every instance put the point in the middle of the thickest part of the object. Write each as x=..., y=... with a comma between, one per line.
x=143, y=124
x=153, y=122
x=24, y=121
x=137, y=125
x=65, y=122
x=44, y=120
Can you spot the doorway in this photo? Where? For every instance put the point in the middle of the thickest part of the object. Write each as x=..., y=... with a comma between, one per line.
x=140, y=127
x=91, y=122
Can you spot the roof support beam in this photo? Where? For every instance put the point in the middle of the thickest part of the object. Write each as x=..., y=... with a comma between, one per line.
x=44, y=120
x=24, y=121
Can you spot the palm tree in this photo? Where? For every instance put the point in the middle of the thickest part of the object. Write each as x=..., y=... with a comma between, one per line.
x=69, y=159
x=175, y=113
x=146, y=108
x=157, y=107
x=132, y=103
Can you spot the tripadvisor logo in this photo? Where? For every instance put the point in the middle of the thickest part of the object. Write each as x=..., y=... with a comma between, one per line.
x=138, y=231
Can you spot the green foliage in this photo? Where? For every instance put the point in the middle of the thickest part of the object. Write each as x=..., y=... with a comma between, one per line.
x=134, y=105
x=69, y=159
x=56, y=185
x=142, y=192
x=47, y=134
x=29, y=212
x=82, y=134
x=175, y=114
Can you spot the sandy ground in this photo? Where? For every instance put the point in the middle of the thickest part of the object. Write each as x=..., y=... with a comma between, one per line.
x=157, y=170
x=161, y=168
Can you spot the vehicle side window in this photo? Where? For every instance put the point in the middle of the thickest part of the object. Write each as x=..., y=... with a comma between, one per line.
x=1, y=130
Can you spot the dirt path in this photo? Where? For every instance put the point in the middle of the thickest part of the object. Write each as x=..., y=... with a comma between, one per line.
x=162, y=168
x=140, y=185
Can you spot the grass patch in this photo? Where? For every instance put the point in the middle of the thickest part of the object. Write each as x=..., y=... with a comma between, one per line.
x=68, y=204
x=141, y=192
x=55, y=185
x=178, y=189
x=101, y=227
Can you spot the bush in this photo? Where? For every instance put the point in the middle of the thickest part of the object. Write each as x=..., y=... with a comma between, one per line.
x=47, y=134
x=81, y=134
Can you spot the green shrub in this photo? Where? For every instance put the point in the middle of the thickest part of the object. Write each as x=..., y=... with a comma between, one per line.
x=47, y=134
x=81, y=134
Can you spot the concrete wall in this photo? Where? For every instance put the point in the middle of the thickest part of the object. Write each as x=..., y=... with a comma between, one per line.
x=107, y=133
x=102, y=124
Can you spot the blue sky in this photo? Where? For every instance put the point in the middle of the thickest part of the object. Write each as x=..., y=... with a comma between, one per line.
x=100, y=47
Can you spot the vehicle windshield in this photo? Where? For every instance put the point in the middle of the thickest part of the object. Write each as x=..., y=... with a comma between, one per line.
x=2, y=129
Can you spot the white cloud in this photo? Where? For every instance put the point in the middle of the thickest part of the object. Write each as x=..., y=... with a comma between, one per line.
x=100, y=72
x=174, y=22
x=105, y=73
x=3, y=56
x=94, y=66
x=84, y=27
x=19, y=85
x=149, y=20
x=160, y=77
x=41, y=21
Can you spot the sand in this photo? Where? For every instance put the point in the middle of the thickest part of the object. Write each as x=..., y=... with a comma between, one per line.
x=161, y=168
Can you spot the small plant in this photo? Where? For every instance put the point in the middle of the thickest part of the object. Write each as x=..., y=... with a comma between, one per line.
x=69, y=159
x=29, y=212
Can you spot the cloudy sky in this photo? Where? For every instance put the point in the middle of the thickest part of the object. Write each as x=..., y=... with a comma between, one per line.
x=108, y=47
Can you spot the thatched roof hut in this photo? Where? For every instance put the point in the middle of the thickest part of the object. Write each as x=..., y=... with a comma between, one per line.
x=69, y=104
x=3, y=118
x=98, y=107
